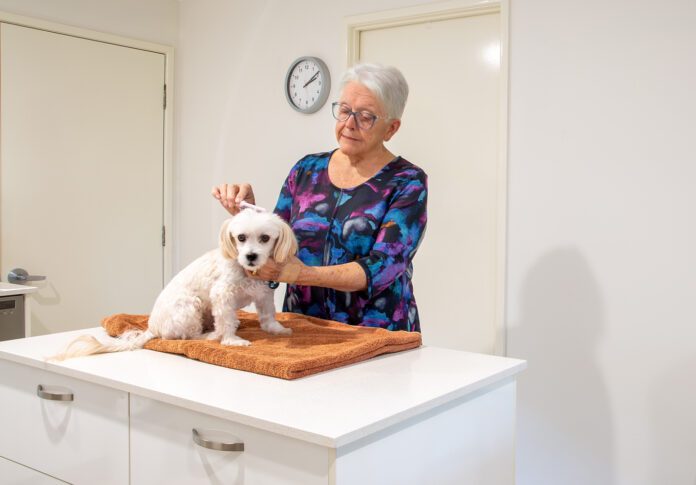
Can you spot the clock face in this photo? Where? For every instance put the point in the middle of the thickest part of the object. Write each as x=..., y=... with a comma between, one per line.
x=307, y=84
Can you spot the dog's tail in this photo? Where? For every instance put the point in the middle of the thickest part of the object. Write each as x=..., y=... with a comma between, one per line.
x=89, y=345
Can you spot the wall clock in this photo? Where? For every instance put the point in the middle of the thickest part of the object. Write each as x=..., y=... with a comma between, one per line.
x=307, y=84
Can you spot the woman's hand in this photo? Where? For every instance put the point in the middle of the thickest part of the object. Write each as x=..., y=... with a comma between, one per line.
x=230, y=195
x=287, y=272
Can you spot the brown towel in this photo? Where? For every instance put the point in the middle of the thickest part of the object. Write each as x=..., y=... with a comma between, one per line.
x=315, y=345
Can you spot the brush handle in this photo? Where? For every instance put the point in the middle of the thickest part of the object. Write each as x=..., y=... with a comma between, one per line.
x=246, y=205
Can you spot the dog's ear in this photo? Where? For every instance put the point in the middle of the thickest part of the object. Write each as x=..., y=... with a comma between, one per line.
x=286, y=245
x=227, y=244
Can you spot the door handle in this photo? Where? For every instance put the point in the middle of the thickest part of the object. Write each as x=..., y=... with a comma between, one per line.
x=19, y=276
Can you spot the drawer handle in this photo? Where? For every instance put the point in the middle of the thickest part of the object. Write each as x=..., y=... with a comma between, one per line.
x=54, y=396
x=216, y=445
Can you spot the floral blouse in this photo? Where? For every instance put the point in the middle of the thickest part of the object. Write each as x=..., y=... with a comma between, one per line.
x=378, y=224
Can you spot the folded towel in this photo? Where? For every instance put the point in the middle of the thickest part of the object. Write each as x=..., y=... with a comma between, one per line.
x=315, y=345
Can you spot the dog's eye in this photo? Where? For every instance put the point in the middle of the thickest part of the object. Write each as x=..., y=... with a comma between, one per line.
x=265, y=238
x=241, y=238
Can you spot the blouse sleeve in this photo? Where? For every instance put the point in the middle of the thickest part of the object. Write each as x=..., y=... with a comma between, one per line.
x=284, y=204
x=398, y=237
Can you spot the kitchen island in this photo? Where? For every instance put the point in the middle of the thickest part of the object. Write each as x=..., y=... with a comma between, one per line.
x=428, y=415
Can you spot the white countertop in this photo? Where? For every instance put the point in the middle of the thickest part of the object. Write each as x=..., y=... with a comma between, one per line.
x=330, y=409
x=9, y=289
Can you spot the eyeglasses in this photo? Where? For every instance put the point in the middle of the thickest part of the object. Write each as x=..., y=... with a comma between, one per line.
x=364, y=119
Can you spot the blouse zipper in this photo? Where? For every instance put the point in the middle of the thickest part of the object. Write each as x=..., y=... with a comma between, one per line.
x=326, y=246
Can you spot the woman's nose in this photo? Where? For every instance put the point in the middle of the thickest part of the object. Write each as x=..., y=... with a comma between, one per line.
x=352, y=121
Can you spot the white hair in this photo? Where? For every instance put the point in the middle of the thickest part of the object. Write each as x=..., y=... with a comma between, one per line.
x=386, y=83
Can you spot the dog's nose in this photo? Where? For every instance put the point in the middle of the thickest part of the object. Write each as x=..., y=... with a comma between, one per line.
x=251, y=257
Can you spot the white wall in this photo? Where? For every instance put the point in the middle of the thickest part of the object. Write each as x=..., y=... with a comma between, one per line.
x=602, y=239
x=149, y=20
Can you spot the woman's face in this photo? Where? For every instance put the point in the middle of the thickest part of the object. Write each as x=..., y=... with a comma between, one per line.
x=354, y=141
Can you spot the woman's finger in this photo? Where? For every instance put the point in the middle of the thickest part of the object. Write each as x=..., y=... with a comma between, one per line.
x=224, y=193
x=220, y=192
x=230, y=195
x=253, y=274
x=245, y=193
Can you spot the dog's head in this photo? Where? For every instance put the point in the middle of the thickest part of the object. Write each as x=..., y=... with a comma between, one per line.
x=252, y=237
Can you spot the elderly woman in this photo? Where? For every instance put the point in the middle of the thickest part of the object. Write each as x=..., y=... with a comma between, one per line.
x=358, y=211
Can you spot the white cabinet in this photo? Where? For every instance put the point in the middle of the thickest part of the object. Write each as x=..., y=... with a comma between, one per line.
x=76, y=439
x=467, y=441
x=15, y=474
x=471, y=438
x=163, y=450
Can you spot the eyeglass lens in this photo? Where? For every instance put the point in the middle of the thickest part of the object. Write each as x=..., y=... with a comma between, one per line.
x=364, y=119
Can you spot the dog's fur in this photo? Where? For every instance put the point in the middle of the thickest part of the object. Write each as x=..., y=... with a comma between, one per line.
x=202, y=300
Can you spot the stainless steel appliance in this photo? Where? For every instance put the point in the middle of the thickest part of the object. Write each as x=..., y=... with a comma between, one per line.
x=11, y=317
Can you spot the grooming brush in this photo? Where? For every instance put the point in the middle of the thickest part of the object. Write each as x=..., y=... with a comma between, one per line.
x=246, y=205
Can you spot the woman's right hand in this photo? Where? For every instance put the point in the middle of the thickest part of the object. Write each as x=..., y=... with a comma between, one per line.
x=230, y=195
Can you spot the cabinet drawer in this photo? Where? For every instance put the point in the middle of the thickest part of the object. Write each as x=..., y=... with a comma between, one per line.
x=83, y=440
x=14, y=473
x=163, y=450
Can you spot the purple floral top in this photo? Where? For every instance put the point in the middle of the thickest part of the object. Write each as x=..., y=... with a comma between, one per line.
x=378, y=224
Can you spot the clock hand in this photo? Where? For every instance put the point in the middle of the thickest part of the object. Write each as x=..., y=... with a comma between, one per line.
x=311, y=79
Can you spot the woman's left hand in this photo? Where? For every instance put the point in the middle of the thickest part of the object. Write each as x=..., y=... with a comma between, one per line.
x=282, y=272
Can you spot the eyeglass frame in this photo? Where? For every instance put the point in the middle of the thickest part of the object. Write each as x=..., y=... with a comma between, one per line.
x=355, y=114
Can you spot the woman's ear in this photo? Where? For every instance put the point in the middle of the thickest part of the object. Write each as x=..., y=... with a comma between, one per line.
x=227, y=244
x=394, y=126
x=286, y=245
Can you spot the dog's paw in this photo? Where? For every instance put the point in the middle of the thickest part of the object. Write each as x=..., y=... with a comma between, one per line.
x=235, y=341
x=215, y=335
x=283, y=331
x=276, y=328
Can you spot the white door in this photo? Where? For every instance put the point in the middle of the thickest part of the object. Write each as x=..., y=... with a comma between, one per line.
x=81, y=174
x=450, y=128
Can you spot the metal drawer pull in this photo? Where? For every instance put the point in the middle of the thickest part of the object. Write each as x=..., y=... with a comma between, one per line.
x=216, y=445
x=54, y=396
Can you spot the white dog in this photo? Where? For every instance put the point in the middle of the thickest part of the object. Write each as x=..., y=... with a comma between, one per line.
x=202, y=300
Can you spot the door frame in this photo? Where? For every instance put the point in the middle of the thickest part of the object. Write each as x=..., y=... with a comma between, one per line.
x=168, y=112
x=355, y=25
